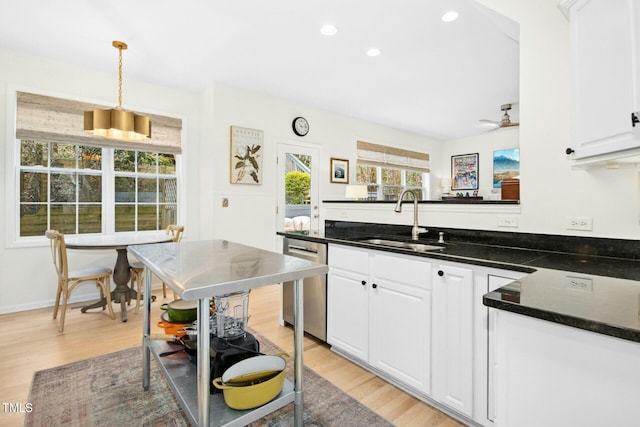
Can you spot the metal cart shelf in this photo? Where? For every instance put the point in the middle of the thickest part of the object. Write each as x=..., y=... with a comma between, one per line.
x=199, y=271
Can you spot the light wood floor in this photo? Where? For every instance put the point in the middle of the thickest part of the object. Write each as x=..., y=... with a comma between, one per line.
x=32, y=343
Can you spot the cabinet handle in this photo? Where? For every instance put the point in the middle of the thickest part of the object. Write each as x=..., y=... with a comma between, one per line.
x=440, y=273
x=635, y=119
x=374, y=286
x=364, y=282
x=569, y=150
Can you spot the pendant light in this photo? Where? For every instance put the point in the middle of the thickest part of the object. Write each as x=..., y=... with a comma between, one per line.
x=117, y=123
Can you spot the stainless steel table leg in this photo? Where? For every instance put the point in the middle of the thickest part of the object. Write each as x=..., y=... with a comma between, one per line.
x=146, y=331
x=203, y=362
x=298, y=349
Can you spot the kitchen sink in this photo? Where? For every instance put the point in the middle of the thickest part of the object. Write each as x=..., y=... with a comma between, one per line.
x=417, y=247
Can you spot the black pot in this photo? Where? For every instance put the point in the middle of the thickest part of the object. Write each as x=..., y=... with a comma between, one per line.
x=181, y=311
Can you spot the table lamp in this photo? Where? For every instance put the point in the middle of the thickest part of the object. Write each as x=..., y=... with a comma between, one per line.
x=356, y=192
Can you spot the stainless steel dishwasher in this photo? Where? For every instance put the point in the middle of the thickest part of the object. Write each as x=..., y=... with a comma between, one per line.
x=315, y=288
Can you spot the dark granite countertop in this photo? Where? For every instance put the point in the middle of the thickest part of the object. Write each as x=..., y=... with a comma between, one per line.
x=587, y=283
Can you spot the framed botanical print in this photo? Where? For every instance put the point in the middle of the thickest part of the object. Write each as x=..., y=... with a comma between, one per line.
x=339, y=171
x=464, y=172
x=246, y=156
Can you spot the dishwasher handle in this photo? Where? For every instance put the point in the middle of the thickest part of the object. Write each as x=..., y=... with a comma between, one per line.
x=292, y=249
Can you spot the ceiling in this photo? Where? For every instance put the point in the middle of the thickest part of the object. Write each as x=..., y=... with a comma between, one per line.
x=432, y=78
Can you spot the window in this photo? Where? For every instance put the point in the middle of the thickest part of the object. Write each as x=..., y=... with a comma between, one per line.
x=388, y=183
x=64, y=187
x=66, y=179
x=145, y=190
x=388, y=171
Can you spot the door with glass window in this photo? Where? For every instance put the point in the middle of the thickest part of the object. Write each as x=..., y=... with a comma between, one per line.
x=298, y=188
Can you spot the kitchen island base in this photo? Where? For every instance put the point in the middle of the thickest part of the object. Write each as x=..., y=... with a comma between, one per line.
x=181, y=373
x=556, y=375
x=198, y=271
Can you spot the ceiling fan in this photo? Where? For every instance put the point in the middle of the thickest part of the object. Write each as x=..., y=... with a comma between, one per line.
x=505, y=121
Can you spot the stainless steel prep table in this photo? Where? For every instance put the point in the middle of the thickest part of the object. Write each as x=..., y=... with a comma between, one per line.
x=204, y=269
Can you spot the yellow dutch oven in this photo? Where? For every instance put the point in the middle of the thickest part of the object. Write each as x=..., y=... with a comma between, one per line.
x=254, y=381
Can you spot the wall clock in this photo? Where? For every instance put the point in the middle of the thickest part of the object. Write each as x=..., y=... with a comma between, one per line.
x=300, y=126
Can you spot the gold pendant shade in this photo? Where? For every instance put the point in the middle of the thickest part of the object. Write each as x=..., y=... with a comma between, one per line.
x=117, y=123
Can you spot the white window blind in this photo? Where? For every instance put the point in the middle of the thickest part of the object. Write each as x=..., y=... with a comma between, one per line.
x=391, y=157
x=48, y=118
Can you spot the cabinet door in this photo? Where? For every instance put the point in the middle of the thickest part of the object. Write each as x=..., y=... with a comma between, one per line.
x=453, y=337
x=604, y=50
x=348, y=301
x=400, y=319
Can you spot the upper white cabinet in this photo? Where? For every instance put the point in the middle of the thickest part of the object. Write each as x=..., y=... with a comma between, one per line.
x=605, y=50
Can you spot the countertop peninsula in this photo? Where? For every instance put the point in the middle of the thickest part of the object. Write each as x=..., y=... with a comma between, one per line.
x=587, y=283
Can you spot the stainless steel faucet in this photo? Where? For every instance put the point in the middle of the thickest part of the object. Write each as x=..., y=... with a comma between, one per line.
x=415, y=230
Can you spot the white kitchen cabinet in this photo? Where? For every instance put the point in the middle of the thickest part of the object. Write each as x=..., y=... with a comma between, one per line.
x=556, y=375
x=453, y=336
x=348, y=300
x=494, y=281
x=605, y=51
x=426, y=331
x=379, y=311
x=400, y=318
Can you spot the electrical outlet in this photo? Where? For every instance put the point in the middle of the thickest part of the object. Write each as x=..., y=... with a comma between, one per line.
x=508, y=221
x=579, y=283
x=579, y=223
x=225, y=202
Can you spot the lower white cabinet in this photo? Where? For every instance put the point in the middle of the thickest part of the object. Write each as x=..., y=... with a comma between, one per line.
x=555, y=375
x=420, y=322
x=379, y=311
x=348, y=300
x=453, y=337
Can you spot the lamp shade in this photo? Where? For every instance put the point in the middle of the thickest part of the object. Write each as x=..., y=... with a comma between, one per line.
x=356, y=192
x=117, y=123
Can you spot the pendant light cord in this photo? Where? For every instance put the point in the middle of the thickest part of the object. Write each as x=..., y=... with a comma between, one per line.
x=120, y=78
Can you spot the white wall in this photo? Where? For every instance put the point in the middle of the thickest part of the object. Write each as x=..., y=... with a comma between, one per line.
x=484, y=144
x=251, y=216
x=550, y=190
x=28, y=276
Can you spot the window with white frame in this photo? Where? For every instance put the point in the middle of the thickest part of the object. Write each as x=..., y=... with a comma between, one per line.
x=62, y=187
x=388, y=171
x=145, y=190
x=79, y=184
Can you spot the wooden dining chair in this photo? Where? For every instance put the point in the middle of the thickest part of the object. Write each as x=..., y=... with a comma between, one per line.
x=68, y=280
x=137, y=268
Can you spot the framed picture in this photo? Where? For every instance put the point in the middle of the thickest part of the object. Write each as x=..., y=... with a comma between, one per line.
x=340, y=171
x=506, y=165
x=464, y=172
x=246, y=156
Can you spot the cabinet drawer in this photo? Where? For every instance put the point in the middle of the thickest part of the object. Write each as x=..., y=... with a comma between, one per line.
x=348, y=258
x=410, y=270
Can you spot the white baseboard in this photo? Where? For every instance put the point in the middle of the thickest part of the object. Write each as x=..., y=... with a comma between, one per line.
x=35, y=305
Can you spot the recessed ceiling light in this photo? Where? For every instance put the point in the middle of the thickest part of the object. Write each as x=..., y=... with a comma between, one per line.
x=374, y=51
x=450, y=16
x=328, y=30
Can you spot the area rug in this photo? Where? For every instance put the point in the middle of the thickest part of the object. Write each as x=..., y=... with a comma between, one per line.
x=107, y=391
